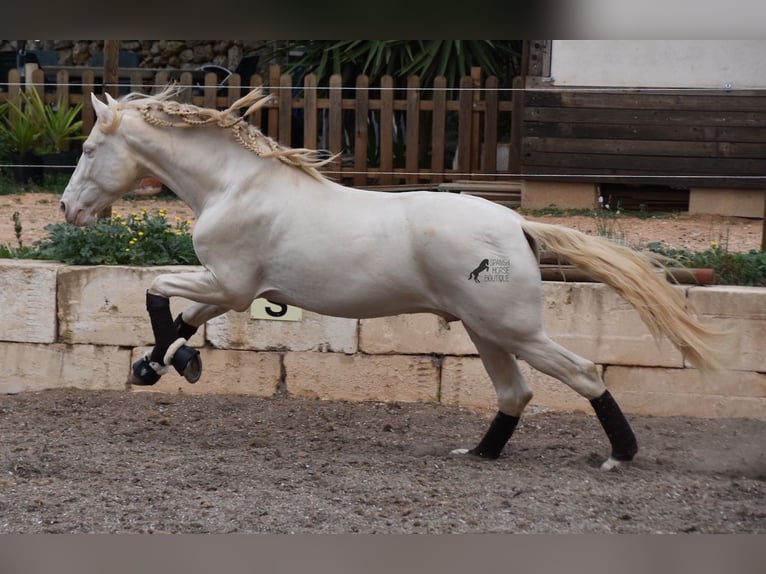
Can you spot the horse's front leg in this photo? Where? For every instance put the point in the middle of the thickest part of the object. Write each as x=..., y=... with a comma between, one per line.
x=171, y=336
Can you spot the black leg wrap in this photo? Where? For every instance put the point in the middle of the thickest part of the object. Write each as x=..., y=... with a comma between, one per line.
x=497, y=435
x=143, y=373
x=183, y=329
x=624, y=445
x=162, y=325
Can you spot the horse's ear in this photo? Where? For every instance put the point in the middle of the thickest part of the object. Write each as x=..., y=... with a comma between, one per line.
x=109, y=99
x=103, y=113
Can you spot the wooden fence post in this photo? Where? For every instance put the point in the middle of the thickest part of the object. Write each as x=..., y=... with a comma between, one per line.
x=386, y=175
x=438, y=128
x=413, y=129
x=360, y=129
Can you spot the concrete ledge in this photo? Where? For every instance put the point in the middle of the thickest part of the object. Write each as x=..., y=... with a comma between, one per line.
x=563, y=195
x=223, y=371
x=360, y=377
x=106, y=305
x=729, y=202
x=313, y=333
x=28, y=301
x=84, y=326
x=30, y=367
x=685, y=392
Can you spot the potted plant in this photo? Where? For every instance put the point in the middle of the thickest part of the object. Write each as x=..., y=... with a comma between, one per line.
x=20, y=132
x=60, y=125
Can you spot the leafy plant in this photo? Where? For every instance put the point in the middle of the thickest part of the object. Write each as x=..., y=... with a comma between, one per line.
x=138, y=239
x=728, y=268
x=401, y=58
x=58, y=124
x=19, y=128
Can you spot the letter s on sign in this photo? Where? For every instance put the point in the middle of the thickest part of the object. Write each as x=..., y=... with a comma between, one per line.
x=272, y=313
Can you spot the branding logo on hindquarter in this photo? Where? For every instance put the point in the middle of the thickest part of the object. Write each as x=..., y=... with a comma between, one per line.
x=494, y=269
x=475, y=273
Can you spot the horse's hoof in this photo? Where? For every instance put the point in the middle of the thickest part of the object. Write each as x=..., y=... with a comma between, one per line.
x=143, y=373
x=612, y=464
x=187, y=361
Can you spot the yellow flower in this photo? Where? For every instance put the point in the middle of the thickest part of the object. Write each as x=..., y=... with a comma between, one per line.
x=140, y=233
x=127, y=249
x=132, y=241
x=162, y=212
x=713, y=244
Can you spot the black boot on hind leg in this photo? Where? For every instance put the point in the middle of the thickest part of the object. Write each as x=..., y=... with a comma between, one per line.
x=496, y=437
x=621, y=437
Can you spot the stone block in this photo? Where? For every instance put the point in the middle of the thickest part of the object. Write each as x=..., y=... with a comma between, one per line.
x=741, y=311
x=687, y=392
x=34, y=367
x=336, y=376
x=313, y=332
x=592, y=320
x=106, y=305
x=419, y=333
x=28, y=301
x=562, y=195
x=466, y=383
x=223, y=371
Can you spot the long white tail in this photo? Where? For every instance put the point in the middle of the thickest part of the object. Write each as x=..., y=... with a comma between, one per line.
x=633, y=275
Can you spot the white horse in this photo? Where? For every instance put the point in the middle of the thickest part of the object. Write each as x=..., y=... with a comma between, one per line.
x=270, y=225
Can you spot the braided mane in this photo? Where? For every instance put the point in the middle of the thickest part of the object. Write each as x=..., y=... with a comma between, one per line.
x=160, y=110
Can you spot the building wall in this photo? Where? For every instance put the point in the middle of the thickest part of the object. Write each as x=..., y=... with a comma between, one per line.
x=736, y=64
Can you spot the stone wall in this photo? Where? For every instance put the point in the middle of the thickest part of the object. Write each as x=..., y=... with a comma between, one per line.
x=182, y=54
x=83, y=326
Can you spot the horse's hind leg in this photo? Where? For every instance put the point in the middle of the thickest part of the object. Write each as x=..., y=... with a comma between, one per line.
x=581, y=375
x=512, y=391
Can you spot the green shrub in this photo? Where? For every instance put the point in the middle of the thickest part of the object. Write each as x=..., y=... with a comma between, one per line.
x=138, y=239
x=728, y=268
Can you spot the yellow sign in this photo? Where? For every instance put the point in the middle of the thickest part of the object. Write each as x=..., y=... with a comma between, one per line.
x=265, y=309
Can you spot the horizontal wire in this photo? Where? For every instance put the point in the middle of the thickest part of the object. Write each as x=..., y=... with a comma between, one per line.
x=375, y=174
x=551, y=88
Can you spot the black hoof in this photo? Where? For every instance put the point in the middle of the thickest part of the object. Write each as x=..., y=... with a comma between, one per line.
x=188, y=363
x=143, y=373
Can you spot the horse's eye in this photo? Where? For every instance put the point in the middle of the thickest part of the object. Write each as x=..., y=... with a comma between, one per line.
x=88, y=151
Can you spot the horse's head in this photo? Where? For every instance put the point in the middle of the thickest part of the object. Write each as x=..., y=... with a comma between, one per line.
x=106, y=169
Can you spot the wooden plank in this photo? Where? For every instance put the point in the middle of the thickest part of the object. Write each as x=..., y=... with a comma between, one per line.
x=676, y=100
x=645, y=117
x=413, y=129
x=159, y=82
x=210, y=91
x=272, y=112
x=710, y=149
x=361, y=130
x=476, y=118
x=285, y=109
x=465, y=115
x=438, y=127
x=646, y=132
x=386, y=130
x=111, y=65
x=335, y=119
x=310, y=111
x=489, y=161
x=234, y=89
x=517, y=127
x=88, y=116
x=62, y=83
x=186, y=80
x=649, y=164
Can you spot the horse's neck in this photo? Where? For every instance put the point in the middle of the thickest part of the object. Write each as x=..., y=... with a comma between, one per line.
x=196, y=163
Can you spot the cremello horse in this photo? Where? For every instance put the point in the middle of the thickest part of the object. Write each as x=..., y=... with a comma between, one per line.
x=270, y=225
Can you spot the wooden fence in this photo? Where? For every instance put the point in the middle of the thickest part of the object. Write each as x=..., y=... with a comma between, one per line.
x=418, y=136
